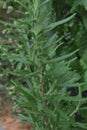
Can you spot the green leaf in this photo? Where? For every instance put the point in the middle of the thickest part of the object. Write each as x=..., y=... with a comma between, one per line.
x=24, y=74
x=7, y=24
x=62, y=57
x=75, y=99
x=53, y=25
x=63, y=114
x=81, y=125
x=21, y=4
x=51, y=41
x=50, y=113
x=24, y=118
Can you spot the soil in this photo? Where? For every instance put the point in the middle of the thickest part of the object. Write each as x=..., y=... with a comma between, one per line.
x=10, y=123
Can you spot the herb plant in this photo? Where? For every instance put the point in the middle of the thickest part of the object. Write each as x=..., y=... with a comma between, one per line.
x=48, y=86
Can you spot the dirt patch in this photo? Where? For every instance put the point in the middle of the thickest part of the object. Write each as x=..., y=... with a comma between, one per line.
x=10, y=123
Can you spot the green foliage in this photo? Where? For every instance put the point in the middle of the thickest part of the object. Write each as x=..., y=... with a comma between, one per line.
x=43, y=64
